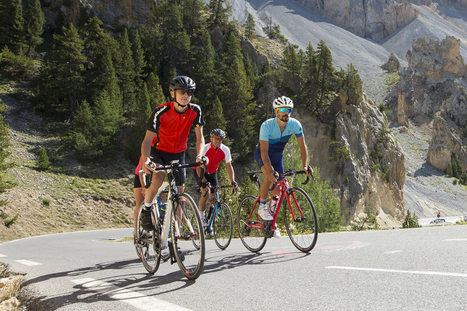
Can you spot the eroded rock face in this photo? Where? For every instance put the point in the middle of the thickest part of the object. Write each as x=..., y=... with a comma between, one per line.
x=434, y=86
x=374, y=19
x=435, y=58
x=363, y=161
x=443, y=143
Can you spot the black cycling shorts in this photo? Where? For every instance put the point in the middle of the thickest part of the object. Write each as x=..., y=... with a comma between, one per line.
x=137, y=182
x=164, y=158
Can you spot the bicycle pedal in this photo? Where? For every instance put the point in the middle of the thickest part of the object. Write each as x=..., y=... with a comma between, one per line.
x=267, y=231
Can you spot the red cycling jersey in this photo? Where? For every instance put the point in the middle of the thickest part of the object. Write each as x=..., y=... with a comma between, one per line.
x=172, y=128
x=216, y=156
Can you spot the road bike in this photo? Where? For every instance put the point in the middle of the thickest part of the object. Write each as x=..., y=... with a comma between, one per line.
x=298, y=218
x=186, y=245
x=219, y=219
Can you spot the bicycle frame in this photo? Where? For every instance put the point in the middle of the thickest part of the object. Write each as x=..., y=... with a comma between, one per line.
x=283, y=186
x=216, y=204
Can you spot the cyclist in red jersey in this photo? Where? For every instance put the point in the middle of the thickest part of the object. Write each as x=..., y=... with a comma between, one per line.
x=215, y=151
x=169, y=126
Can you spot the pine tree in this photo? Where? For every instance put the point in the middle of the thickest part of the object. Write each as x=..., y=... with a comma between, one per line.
x=81, y=138
x=449, y=170
x=250, y=27
x=100, y=72
x=34, y=25
x=325, y=76
x=156, y=95
x=205, y=75
x=151, y=39
x=42, y=161
x=352, y=85
x=106, y=124
x=273, y=32
x=12, y=33
x=61, y=73
x=309, y=92
x=292, y=63
x=127, y=74
x=237, y=97
x=220, y=12
x=138, y=130
x=192, y=11
x=138, y=56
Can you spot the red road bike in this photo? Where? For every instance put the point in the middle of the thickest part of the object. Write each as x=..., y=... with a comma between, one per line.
x=298, y=217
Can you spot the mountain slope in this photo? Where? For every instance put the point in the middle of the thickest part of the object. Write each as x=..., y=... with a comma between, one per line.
x=427, y=190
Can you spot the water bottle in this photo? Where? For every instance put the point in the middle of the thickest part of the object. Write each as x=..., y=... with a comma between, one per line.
x=274, y=201
x=162, y=207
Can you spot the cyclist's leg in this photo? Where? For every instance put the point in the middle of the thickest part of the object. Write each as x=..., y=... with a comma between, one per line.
x=139, y=198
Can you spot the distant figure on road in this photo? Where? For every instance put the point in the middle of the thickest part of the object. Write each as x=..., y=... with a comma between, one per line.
x=439, y=214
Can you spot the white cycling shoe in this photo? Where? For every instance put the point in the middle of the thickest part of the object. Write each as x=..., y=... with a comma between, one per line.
x=277, y=232
x=264, y=213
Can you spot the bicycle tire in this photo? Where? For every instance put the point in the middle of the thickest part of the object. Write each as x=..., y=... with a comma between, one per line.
x=148, y=246
x=222, y=225
x=187, y=237
x=302, y=231
x=252, y=237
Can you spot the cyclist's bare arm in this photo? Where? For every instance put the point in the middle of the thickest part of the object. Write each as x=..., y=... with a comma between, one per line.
x=231, y=173
x=200, y=144
x=304, y=155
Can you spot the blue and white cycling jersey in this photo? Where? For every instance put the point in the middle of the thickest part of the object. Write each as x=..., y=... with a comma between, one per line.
x=270, y=131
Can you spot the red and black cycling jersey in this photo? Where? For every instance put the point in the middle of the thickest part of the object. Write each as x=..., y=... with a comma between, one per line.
x=172, y=128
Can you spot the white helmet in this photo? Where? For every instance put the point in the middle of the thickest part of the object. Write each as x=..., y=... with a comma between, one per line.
x=283, y=101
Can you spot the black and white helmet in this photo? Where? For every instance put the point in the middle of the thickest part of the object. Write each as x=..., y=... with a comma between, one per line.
x=218, y=133
x=182, y=83
x=283, y=101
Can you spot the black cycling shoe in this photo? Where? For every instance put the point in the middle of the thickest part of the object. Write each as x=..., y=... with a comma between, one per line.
x=146, y=220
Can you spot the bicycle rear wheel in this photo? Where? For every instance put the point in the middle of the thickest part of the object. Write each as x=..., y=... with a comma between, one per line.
x=187, y=236
x=223, y=225
x=250, y=226
x=148, y=246
x=300, y=220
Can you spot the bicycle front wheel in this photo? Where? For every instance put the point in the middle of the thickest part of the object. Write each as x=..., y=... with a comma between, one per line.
x=300, y=220
x=223, y=225
x=187, y=237
x=250, y=226
x=148, y=246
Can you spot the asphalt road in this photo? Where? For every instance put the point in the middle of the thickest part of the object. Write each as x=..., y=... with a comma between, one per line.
x=411, y=269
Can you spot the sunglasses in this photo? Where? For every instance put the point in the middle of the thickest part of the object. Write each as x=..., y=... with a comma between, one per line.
x=216, y=138
x=288, y=110
x=183, y=92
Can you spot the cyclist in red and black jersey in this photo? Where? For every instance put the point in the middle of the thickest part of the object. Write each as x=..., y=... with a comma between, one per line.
x=166, y=138
x=215, y=151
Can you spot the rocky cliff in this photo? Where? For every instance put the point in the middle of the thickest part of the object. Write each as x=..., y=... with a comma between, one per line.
x=433, y=88
x=357, y=152
x=373, y=19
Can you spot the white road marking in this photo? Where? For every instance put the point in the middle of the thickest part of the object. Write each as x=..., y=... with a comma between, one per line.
x=464, y=275
x=28, y=262
x=455, y=240
x=2, y=256
x=393, y=252
x=135, y=299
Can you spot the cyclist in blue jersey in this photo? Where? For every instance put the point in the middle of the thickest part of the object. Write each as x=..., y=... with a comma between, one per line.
x=273, y=136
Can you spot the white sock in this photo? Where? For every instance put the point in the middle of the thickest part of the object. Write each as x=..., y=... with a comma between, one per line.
x=202, y=214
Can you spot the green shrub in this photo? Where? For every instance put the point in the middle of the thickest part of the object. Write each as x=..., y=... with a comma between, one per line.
x=42, y=162
x=367, y=222
x=46, y=201
x=411, y=221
